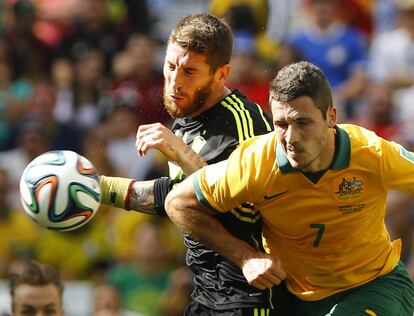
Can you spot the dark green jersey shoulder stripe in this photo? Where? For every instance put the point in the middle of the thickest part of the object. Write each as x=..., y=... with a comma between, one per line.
x=236, y=118
x=240, y=118
x=246, y=112
x=242, y=115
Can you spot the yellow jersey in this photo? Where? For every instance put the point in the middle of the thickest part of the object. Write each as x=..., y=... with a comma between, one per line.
x=328, y=227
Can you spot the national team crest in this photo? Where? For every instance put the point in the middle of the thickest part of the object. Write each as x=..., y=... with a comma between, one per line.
x=349, y=188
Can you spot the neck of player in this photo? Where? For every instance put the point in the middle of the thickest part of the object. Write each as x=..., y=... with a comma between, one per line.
x=216, y=96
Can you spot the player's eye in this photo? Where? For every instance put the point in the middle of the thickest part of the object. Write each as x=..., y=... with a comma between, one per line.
x=28, y=312
x=281, y=125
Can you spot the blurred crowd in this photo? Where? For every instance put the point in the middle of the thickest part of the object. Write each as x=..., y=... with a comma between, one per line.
x=83, y=74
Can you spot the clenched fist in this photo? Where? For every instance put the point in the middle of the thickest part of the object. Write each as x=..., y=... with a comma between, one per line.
x=263, y=271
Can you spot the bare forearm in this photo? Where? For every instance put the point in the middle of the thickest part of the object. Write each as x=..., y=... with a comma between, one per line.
x=128, y=194
x=141, y=197
x=189, y=161
x=190, y=216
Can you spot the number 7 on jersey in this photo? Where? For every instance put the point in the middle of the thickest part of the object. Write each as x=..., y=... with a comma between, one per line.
x=321, y=230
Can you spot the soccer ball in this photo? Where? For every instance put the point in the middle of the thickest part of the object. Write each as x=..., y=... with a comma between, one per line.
x=60, y=190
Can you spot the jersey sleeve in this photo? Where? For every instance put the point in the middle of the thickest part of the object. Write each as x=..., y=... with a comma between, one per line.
x=223, y=186
x=397, y=167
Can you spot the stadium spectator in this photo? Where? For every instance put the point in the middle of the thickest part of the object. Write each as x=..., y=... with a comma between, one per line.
x=379, y=114
x=30, y=57
x=95, y=148
x=107, y=302
x=63, y=79
x=339, y=50
x=142, y=280
x=121, y=125
x=36, y=290
x=247, y=74
x=92, y=30
x=251, y=16
x=17, y=232
x=89, y=248
x=321, y=189
x=14, y=93
x=140, y=16
x=91, y=98
x=177, y=295
x=359, y=14
x=392, y=60
x=40, y=106
x=384, y=15
x=210, y=122
x=146, y=78
x=32, y=139
x=259, y=8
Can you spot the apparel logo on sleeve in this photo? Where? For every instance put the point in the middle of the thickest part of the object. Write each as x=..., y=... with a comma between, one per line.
x=269, y=197
x=349, y=188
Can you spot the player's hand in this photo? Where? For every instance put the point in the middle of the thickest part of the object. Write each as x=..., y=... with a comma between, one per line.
x=158, y=136
x=263, y=271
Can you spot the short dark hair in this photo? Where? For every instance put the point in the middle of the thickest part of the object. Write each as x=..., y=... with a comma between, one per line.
x=205, y=34
x=302, y=79
x=35, y=274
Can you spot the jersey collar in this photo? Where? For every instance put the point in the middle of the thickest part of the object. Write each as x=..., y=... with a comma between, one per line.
x=341, y=159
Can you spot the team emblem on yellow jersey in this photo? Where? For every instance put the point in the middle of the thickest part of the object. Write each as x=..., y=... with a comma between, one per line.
x=349, y=188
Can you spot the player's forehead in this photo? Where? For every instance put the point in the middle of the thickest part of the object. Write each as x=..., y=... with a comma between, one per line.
x=31, y=295
x=301, y=107
x=183, y=57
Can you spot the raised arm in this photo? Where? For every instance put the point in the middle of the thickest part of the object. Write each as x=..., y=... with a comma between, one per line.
x=260, y=269
x=158, y=136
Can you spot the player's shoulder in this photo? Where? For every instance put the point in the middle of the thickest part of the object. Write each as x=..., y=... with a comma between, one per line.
x=361, y=137
x=358, y=133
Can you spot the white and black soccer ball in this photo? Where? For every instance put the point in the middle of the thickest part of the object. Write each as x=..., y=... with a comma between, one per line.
x=60, y=190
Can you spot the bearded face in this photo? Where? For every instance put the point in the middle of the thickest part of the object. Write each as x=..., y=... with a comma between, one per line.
x=188, y=81
x=195, y=102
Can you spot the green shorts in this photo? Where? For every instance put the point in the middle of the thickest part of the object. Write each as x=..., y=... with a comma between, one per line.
x=389, y=295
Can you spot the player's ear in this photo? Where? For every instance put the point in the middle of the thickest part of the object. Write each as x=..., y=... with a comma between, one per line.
x=222, y=73
x=331, y=116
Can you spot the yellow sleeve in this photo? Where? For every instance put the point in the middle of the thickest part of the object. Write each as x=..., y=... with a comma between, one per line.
x=223, y=186
x=397, y=167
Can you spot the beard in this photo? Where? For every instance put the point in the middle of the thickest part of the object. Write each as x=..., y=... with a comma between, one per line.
x=197, y=102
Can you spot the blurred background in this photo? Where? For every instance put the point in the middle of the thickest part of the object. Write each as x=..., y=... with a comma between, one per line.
x=83, y=74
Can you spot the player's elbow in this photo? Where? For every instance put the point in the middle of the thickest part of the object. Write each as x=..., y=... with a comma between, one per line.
x=172, y=205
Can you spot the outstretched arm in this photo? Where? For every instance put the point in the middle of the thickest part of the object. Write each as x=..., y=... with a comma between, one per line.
x=128, y=194
x=260, y=269
x=148, y=196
